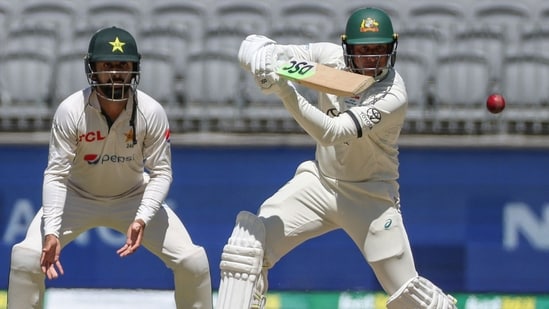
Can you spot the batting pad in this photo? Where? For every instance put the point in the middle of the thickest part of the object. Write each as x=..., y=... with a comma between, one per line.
x=422, y=294
x=241, y=263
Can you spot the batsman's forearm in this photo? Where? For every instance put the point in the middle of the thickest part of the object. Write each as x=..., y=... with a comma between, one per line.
x=324, y=129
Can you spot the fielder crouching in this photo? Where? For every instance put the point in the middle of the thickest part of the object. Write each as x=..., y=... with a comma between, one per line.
x=109, y=165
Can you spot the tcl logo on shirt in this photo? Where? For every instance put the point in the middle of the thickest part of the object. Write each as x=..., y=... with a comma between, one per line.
x=91, y=137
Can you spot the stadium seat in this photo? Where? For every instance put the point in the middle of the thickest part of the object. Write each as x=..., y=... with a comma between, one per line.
x=247, y=16
x=418, y=49
x=6, y=14
x=312, y=17
x=225, y=39
x=416, y=70
x=211, y=97
x=25, y=78
x=80, y=38
x=426, y=39
x=69, y=74
x=58, y=14
x=294, y=34
x=541, y=13
x=534, y=38
x=6, y=17
x=106, y=13
x=510, y=15
x=501, y=11
x=158, y=77
x=524, y=86
x=184, y=16
x=29, y=37
x=175, y=39
x=441, y=14
x=204, y=83
x=232, y=21
x=490, y=39
x=462, y=81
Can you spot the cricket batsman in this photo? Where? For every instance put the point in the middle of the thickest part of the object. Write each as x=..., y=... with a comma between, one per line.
x=352, y=184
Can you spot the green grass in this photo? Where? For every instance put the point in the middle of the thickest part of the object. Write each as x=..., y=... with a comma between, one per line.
x=3, y=299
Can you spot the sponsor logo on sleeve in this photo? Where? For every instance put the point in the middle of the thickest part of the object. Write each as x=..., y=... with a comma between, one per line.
x=371, y=116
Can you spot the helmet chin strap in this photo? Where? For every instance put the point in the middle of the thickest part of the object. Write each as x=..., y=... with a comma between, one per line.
x=381, y=75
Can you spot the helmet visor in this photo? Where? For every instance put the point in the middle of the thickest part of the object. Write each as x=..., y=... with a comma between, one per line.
x=113, y=80
x=369, y=59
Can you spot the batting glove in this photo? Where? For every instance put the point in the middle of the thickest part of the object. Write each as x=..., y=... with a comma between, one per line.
x=249, y=47
x=271, y=84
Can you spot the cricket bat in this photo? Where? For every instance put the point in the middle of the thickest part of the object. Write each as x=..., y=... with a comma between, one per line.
x=324, y=78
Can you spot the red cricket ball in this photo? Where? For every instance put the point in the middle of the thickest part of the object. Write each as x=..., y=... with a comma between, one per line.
x=495, y=103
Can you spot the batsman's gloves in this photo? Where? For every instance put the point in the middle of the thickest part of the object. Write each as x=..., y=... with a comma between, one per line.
x=270, y=83
x=249, y=47
x=261, y=56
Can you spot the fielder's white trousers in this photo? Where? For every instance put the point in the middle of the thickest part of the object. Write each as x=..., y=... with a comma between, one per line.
x=165, y=236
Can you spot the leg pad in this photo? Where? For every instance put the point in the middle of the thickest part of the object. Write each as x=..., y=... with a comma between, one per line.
x=241, y=263
x=420, y=293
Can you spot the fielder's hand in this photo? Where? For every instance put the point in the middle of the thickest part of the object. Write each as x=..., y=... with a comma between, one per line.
x=134, y=237
x=49, y=260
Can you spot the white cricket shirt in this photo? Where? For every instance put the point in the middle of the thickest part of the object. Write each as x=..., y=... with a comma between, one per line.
x=102, y=163
x=356, y=136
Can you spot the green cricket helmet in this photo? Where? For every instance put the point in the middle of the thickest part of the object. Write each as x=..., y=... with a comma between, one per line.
x=369, y=26
x=113, y=44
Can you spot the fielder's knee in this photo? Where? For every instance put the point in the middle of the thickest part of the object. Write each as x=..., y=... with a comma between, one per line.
x=196, y=263
x=192, y=280
x=420, y=293
x=26, y=280
x=25, y=259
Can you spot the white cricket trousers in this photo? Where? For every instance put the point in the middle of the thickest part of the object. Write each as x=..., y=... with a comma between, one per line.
x=311, y=204
x=165, y=236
